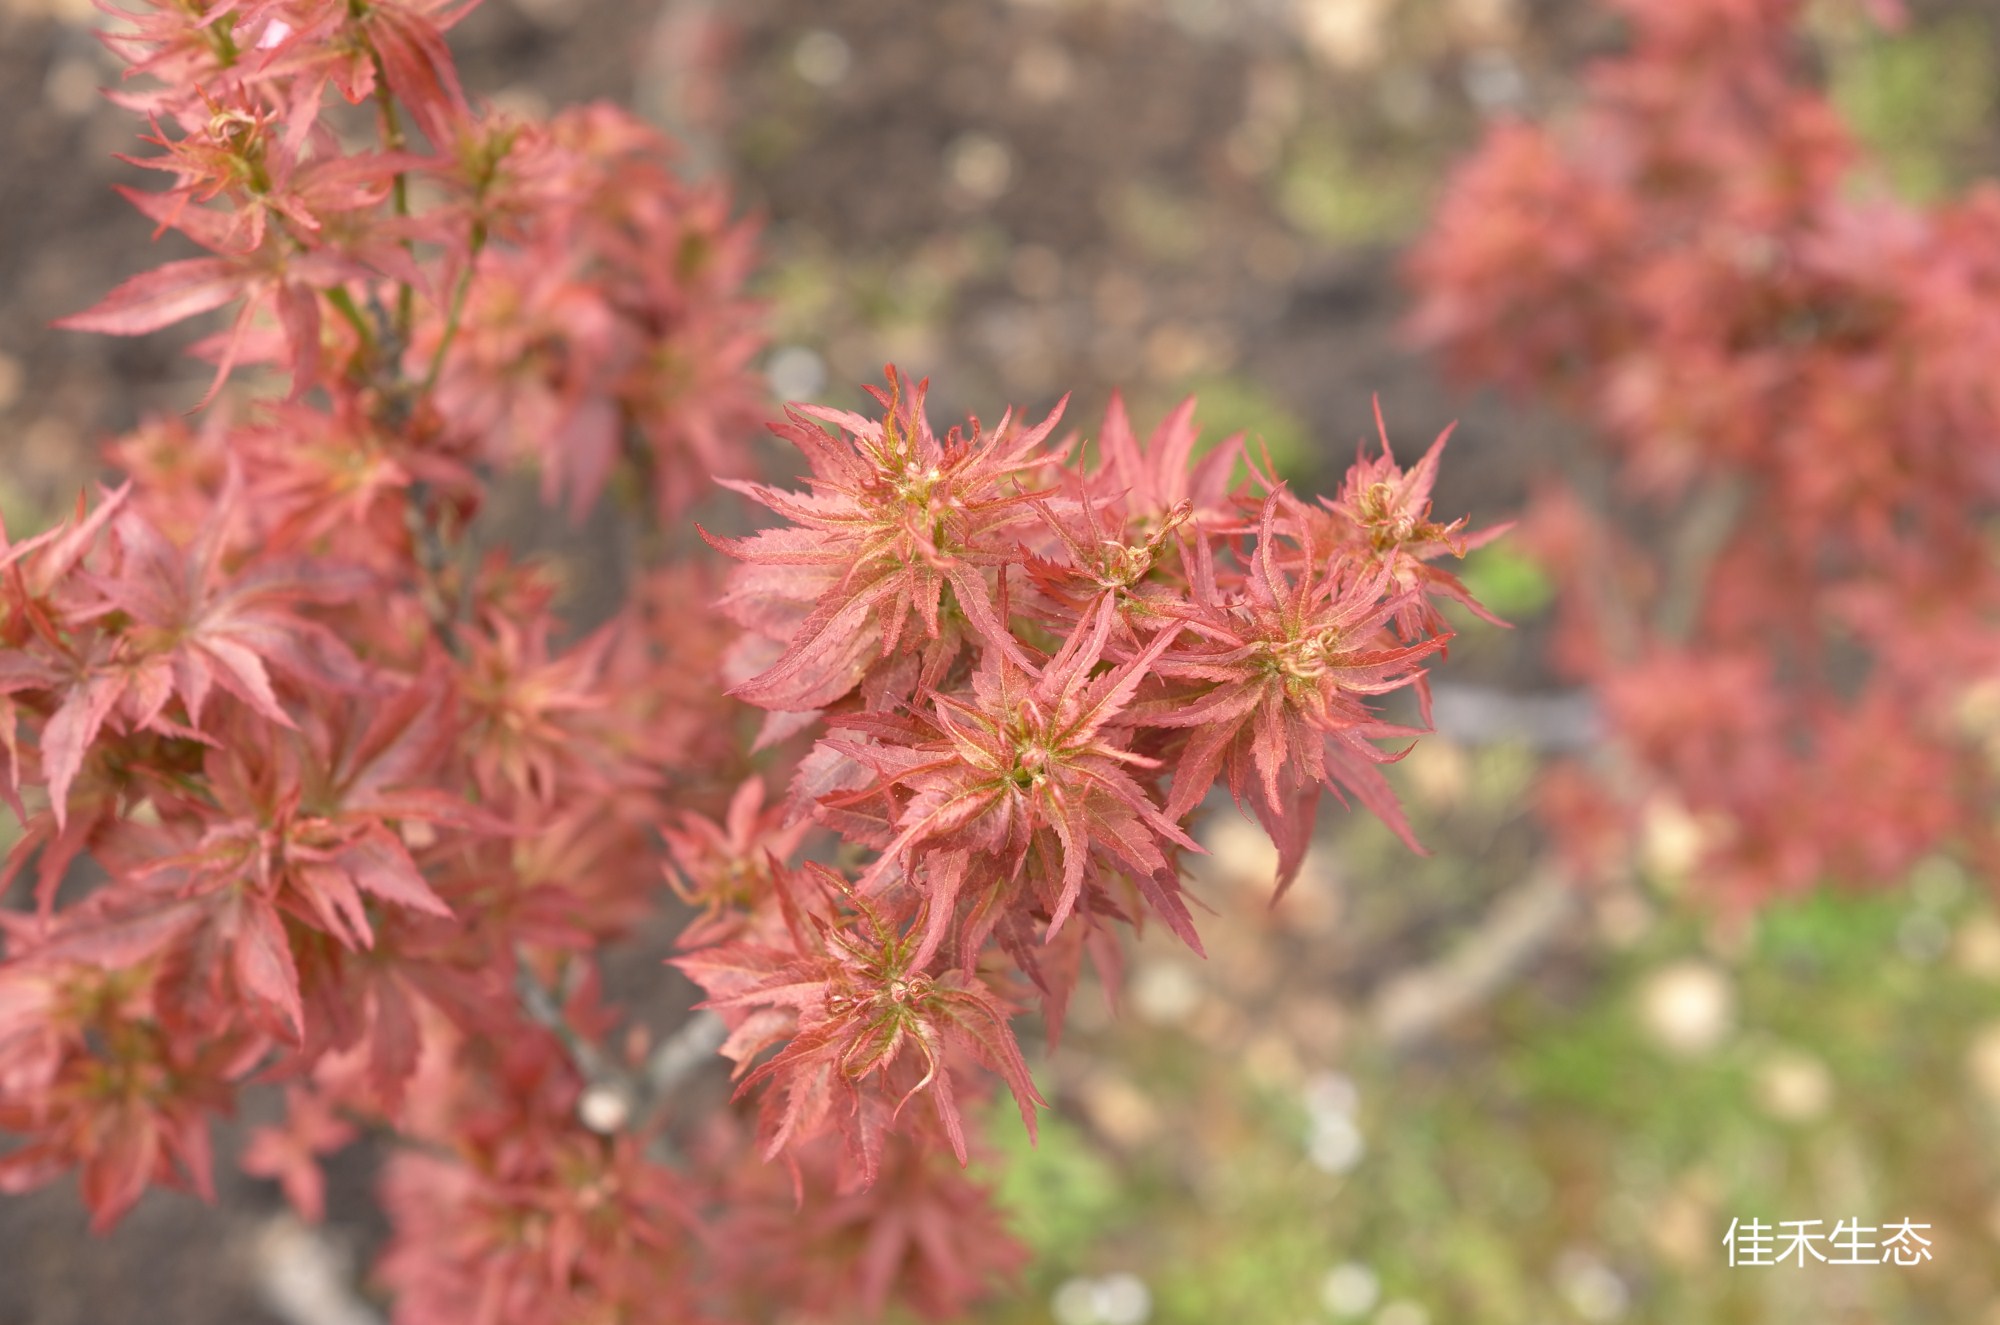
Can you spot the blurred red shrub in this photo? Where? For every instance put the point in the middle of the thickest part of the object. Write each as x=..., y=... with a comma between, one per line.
x=1791, y=373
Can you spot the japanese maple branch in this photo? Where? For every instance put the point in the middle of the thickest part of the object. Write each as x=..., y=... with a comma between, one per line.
x=305, y=1279
x=393, y=141
x=678, y=1057
x=456, y=312
x=1699, y=537
x=615, y=1097
x=432, y=558
x=343, y=304
x=1416, y=1005
x=541, y=1005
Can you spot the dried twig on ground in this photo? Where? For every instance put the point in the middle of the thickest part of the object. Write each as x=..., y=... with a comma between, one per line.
x=1417, y=1004
x=304, y=1278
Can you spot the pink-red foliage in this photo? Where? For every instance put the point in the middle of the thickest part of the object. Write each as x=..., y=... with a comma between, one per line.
x=1795, y=369
x=318, y=788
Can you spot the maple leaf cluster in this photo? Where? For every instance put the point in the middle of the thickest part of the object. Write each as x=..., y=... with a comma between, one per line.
x=1030, y=673
x=321, y=784
x=310, y=783
x=1789, y=369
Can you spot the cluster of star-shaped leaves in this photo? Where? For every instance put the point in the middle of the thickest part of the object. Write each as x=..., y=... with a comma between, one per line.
x=1027, y=675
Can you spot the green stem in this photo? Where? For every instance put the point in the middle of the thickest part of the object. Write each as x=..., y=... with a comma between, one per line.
x=456, y=310
x=343, y=304
x=394, y=141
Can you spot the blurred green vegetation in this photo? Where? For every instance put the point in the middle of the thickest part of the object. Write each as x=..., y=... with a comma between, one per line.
x=24, y=513
x=1573, y=1152
x=1156, y=221
x=1507, y=581
x=1340, y=196
x=1922, y=100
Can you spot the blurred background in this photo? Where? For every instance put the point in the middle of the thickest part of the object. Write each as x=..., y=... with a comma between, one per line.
x=1422, y=1090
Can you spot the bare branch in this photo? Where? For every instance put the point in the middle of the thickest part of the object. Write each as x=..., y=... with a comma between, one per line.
x=679, y=1055
x=1563, y=720
x=1699, y=537
x=1417, y=1004
x=614, y=1097
x=304, y=1278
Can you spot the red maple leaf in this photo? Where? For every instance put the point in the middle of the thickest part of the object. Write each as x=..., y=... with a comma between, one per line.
x=894, y=519
x=291, y=1153
x=1284, y=669
x=861, y=1020
x=1030, y=775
